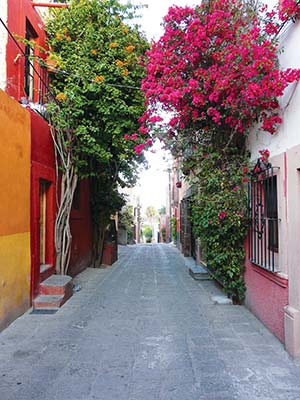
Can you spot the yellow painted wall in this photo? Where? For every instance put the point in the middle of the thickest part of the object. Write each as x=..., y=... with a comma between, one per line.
x=14, y=209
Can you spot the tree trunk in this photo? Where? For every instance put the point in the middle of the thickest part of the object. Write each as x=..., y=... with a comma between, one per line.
x=66, y=175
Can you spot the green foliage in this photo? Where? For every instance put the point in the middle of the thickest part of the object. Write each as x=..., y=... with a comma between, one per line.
x=162, y=210
x=150, y=212
x=98, y=74
x=147, y=233
x=219, y=215
x=173, y=229
x=126, y=218
x=164, y=234
x=96, y=51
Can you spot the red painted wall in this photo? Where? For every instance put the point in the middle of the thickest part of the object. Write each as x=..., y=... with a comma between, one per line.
x=42, y=154
x=81, y=229
x=266, y=297
x=18, y=11
x=42, y=167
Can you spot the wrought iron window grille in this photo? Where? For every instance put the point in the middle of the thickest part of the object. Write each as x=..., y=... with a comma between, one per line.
x=263, y=216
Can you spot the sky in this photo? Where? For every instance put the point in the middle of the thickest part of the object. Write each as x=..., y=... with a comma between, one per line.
x=152, y=16
x=153, y=183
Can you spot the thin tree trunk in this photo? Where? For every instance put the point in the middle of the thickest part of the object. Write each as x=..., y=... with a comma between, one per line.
x=66, y=175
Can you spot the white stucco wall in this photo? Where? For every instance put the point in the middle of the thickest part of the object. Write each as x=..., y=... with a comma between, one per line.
x=3, y=43
x=288, y=134
x=43, y=11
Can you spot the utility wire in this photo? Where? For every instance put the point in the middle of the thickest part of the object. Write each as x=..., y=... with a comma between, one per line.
x=57, y=70
x=24, y=54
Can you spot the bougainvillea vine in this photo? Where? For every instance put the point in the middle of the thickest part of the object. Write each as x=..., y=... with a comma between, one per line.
x=213, y=74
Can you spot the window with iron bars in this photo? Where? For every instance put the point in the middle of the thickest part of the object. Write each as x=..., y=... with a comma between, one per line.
x=263, y=213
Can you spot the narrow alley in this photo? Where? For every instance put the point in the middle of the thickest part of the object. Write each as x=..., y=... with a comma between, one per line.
x=142, y=330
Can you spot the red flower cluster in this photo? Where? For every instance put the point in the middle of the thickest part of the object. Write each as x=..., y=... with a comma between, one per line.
x=139, y=148
x=216, y=67
x=264, y=155
x=289, y=9
x=222, y=215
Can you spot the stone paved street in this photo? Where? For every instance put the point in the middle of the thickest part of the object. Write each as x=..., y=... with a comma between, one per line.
x=144, y=330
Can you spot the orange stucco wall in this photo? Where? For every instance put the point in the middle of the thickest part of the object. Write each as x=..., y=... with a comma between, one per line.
x=14, y=209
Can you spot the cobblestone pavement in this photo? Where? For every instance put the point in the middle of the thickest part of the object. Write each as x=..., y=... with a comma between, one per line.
x=140, y=330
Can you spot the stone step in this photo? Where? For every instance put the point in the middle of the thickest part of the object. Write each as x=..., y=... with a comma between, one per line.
x=49, y=302
x=56, y=285
x=46, y=270
x=199, y=272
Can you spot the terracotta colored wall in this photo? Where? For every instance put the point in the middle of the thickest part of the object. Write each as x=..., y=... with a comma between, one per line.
x=14, y=210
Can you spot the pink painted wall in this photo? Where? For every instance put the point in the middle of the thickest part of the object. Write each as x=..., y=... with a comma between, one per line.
x=266, y=297
x=267, y=292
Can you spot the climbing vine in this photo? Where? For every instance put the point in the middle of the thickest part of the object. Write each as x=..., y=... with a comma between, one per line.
x=219, y=215
x=215, y=73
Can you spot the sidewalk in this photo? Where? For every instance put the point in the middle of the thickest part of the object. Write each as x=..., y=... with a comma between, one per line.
x=144, y=330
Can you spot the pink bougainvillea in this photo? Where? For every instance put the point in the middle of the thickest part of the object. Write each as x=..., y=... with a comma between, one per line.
x=222, y=215
x=264, y=155
x=134, y=136
x=289, y=9
x=215, y=68
x=139, y=148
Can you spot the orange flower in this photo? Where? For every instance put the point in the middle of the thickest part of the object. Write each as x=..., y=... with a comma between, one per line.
x=58, y=36
x=125, y=30
x=112, y=45
x=99, y=78
x=129, y=49
x=119, y=63
x=93, y=52
x=125, y=72
x=51, y=63
x=61, y=97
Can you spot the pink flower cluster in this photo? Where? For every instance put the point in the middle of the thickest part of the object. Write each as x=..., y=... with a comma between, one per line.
x=139, y=148
x=289, y=9
x=222, y=215
x=215, y=67
x=264, y=155
x=142, y=136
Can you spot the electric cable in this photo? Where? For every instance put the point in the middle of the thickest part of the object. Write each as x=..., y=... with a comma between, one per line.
x=57, y=70
x=24, y=55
